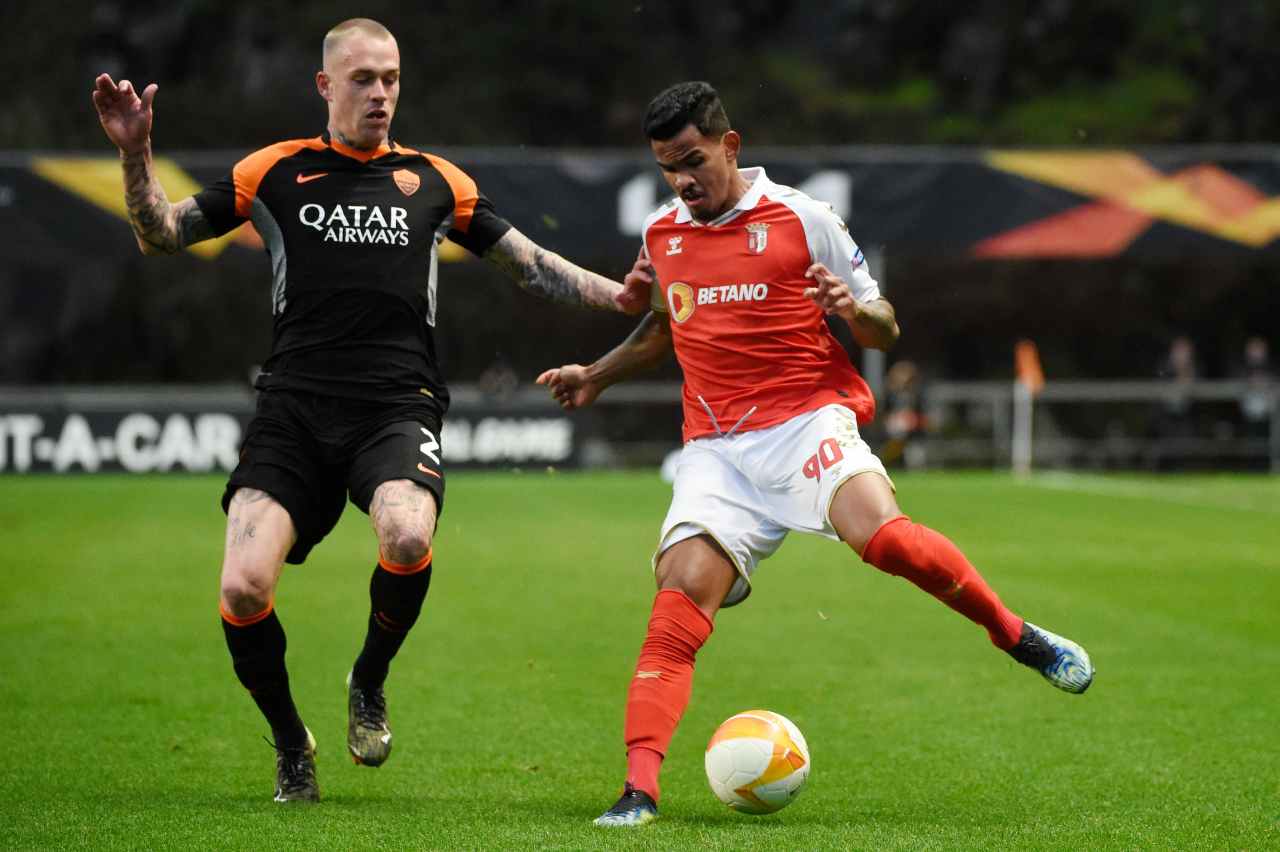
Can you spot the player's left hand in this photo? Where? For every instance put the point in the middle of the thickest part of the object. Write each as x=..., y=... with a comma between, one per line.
x=831, y=293
x=570, y=386
x=634, y=297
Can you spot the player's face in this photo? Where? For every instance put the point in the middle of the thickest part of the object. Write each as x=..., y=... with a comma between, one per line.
x=701, y=170
x=361, y=82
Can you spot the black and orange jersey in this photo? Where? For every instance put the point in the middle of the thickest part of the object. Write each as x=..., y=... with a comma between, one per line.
x=352, y=239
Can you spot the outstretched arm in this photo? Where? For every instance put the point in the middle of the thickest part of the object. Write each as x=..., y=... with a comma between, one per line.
x=549, y=275
x=576, y=386
x=160, y=227
x=874, y=324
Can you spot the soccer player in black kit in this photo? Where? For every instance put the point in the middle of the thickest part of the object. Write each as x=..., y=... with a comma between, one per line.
x=351, y=398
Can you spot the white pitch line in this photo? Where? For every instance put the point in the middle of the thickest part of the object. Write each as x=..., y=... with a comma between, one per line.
x=1166, y=492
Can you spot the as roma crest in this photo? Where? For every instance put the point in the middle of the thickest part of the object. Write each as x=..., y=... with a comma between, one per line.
x=406, y=180
x=757, y=237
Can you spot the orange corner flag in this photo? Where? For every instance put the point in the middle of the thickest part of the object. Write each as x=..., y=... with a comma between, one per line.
x=1026, y=366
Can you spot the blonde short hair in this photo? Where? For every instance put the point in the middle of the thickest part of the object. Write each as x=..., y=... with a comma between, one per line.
x=364, y=26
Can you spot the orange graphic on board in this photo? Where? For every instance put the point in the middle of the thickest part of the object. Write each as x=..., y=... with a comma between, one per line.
x=1130, y=196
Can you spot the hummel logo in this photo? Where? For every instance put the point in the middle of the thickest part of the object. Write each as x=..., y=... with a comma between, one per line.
x=309, y=178
x=643, y=675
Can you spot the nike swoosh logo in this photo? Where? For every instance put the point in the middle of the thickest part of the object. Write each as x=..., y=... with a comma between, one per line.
x=309, y=178
x=428, y=470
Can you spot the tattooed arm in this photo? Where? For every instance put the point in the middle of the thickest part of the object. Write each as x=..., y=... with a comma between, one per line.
x=160, y=227
x=549, y=275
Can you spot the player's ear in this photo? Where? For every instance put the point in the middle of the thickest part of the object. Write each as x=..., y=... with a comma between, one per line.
x=323, y=87
x=732, y=143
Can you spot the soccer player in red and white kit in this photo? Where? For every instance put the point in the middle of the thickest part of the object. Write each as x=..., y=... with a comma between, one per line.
x=743, y=274
x=352, y=397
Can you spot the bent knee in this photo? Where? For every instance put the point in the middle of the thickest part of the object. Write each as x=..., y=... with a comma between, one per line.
x=405, y=545
x=859, y=533
x=861, y=506
x=244, y=594
x=698, y=568
x=862, y=544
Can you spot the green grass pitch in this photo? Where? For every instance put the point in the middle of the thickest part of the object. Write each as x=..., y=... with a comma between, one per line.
x=126, y=728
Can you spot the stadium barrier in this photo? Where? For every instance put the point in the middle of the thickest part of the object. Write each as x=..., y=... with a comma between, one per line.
x=1154, y=425
x=1151, y=425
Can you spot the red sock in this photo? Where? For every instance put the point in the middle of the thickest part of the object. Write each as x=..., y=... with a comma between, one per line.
x=929, y=559
x=662, y=684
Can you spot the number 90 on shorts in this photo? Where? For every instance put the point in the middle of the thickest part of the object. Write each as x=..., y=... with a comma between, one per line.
x=748, y=490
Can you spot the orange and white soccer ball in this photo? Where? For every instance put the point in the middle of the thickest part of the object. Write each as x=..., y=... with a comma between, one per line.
x=757, y=762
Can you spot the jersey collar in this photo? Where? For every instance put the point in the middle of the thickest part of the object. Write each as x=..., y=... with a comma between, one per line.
x=356, y=153
x=760, y=184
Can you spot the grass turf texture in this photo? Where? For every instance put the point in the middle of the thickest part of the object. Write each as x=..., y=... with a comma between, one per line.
x=128, y=730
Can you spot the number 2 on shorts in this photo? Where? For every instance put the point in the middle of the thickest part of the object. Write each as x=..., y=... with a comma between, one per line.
x=428, y=447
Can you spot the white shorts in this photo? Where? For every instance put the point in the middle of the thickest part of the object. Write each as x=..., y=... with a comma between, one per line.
x=747, y=490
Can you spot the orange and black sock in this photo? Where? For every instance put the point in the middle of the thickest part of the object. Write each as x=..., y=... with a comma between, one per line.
x=257, y=645
x=396, y=593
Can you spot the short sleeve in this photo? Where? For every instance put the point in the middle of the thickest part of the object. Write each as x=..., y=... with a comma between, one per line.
x=833, y=247
x=228, y=203
x=474, y=224
x=484, y=227
x=217, y=202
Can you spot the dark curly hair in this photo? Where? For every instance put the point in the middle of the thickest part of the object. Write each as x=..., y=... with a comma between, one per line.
x=683, y=104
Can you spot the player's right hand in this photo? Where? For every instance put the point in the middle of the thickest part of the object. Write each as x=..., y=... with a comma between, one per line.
x=570, y=387
x=125, y=116
x=634, y=297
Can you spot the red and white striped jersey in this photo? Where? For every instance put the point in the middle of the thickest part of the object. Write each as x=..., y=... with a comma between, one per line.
x=755, y=352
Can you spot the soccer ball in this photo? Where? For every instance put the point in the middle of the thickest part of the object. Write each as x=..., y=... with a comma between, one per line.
x=757, y=762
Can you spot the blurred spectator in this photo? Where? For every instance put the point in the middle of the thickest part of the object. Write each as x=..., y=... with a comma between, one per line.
x=1182, y=369
x=904, y=419
x=499, y=380
x=1255, y=402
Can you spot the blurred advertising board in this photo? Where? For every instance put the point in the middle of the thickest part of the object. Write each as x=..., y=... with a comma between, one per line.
x=199, y=431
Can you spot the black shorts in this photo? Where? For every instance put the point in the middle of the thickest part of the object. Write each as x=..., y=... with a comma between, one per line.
x=310, y=451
